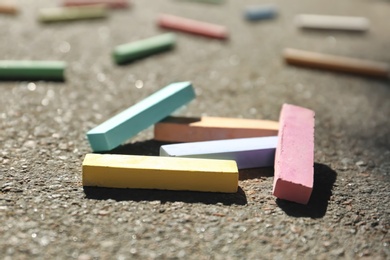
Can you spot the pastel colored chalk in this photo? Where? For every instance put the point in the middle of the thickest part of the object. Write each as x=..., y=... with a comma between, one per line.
x=142, y=48
x=336, y=63
x=32, y=70
x=332, y=22
x=108, y=3
x=192, y=26
x=191, y=129
x=247, y=152
x=8, y=7
x=60, y=14
x=140, y=116
x=260, y=12
x=294, y=156
x=163, y=173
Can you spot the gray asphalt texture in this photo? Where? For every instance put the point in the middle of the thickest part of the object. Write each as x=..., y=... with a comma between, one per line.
x=45, y=213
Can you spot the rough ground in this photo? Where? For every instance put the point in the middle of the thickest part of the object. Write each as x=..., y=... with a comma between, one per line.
x=46, y=214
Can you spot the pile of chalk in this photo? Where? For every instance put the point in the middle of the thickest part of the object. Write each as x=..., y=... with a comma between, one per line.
x=207, y=152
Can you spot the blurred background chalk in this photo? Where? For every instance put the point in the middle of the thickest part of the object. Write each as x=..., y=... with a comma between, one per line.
x=9, y=7
x=260, y=12
x=108, y=3
x=336, y=63
x=331, y=22
x=32, y=70
x=142, y=48
x=192, y=26
x=60, y=14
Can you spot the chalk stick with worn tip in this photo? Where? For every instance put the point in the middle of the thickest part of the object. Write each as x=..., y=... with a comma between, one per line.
x=140, y=116
x=164, y=173
x=247, y=152
x=294, y=156
x=192, y=26
x=32, y=70
x=260, y=12
x=61, y=14
x=191, y=129
x=336, y=63
x=142, y=48
x=332, y=22
x=108, y=3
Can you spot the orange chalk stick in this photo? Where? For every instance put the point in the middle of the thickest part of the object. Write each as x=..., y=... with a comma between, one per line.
x=8, y=7
x=188, y=129
x=192, y=26
x=337, y=63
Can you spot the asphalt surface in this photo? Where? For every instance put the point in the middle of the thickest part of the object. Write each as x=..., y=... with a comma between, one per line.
x=45, y=213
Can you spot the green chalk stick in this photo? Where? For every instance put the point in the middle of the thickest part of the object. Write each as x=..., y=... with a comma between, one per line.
x=139, y=49
x=32, y=70
x=59, y=14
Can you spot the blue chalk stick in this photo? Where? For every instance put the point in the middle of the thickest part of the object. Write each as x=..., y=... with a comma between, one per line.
x=260, y=12
x=131, y=121
x=247, y=152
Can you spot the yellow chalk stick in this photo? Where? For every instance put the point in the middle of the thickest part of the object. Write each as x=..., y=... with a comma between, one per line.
x=188, y=129
x=163, y=173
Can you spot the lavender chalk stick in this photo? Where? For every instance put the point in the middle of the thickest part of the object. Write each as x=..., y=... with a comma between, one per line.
x=247, y=152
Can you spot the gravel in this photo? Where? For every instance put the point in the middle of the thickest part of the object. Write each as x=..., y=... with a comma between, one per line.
x=45, y=213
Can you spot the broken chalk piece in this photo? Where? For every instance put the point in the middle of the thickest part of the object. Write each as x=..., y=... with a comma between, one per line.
x=331, y=22
x=336, y=63
x=260, y=12
x=108, y=3
x=8, y=7
x=60, y=14
x=32, y=70
x=192, y=26
x=164, y=173
x=138, y=49
x=140, y=116
x=247, y=152
x=294, y=156
x=191, y=129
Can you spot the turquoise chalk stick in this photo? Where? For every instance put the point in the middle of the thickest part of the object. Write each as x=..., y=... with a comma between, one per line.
x=142, y=48
x=251, y=152
x=32, y=70
x=140, y=116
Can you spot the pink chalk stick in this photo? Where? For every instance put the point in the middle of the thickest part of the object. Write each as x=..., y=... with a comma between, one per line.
x=192, y=26
x=294, y=156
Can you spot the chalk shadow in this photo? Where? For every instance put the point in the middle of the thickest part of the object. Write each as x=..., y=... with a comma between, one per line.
x=324, y=178
x=149, y=147
x=255, y=173
x=164, y=196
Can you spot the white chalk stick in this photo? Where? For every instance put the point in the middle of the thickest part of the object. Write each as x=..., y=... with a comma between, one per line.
x=331, y=22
